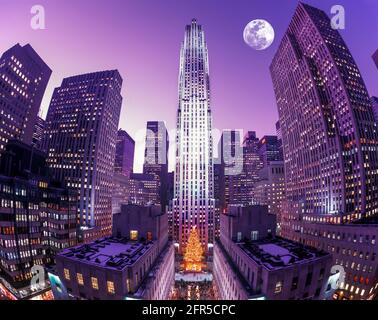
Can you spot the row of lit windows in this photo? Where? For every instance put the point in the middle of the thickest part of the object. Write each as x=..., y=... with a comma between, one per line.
x=94, y=281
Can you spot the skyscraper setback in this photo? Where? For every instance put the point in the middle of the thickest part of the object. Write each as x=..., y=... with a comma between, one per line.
x=193, y=203
x=81, y=133
x=330, y=144
x=23, y=80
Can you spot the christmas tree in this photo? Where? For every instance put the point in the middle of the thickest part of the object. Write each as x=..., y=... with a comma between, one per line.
x=194, y=252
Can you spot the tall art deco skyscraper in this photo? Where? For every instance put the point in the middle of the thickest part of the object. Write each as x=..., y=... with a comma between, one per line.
x=80, y=139
x=193, y=203
x=330, y=143
x=23, y=80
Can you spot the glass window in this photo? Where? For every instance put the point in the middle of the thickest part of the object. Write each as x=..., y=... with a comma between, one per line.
x=254, y=235
x=278, y=288
x=110, y=286
x=133, y=235
x=80, y=279
x=94, y=283
x=67, y=274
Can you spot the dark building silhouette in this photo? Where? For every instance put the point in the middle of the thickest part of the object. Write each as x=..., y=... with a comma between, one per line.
x=124, y=155
x=23, y=80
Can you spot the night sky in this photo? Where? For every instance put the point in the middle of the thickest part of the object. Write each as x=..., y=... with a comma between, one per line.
x=141, y=38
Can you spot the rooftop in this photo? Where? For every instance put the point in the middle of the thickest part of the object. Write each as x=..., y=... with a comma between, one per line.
x=277, y=253
x=112, y=253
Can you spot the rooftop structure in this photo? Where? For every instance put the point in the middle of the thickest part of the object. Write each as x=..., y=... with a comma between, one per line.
x=110, y=252
x=278, y=253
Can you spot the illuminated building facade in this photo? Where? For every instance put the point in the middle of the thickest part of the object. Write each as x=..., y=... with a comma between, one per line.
x=123, y=168
x=240, y=165
x=23, y=80
x=144, y=189
x=269, y=150
x=279, y=137
x=250, y=263
x=229, y=177
x=156, y=158
x=137, y=262
x=374, y=102
x=193, y=203
x=80, y=139
x=38, y=133
x=270, y=190
x=251, y=166
x=124, y=155
x=37, y=218
x=330, y=144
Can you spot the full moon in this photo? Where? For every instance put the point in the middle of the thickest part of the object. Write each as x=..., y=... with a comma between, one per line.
x=259, y=34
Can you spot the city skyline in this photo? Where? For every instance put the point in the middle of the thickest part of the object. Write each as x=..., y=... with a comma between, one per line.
x=248, y=213
x=249, y=97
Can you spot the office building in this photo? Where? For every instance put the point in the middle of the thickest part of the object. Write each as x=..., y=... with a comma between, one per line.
x=80, y=140
x=37, y=219
x=193, y=203
x=23, y=80
x=250, y=263
x=330, y=143
x=156, y=158
x=137, y=262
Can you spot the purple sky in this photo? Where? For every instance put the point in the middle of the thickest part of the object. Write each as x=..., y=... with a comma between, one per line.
x=141, y=38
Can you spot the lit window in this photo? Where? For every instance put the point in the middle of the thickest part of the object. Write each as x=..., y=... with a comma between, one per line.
x=110, y=285
x=254, y=235
x=80, y=279
x=67, y=274
x=278, y=288
x=133, y=235
x=128, y=285
x=94, y=283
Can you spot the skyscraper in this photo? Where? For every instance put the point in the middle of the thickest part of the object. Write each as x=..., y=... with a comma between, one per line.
x=81, y=133
x=375, y=58
x=251, y=166
x=156, y=158
x=124, y=155
x=240, y=165
x=38, y=133
x=330, y=147
x=269, y=150
x=37, y=218
x=374, y=102
x=193, y=204
x=123, y=169
x=279, y=137
x=231, y=180
x=23, y=80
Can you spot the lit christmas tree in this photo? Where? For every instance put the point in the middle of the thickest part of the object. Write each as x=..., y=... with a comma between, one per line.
x=194, y=252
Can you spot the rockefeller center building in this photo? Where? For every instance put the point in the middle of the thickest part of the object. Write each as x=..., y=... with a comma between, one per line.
x=330, y=144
